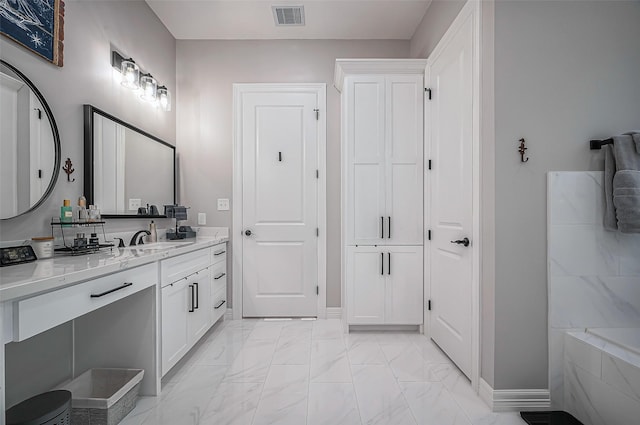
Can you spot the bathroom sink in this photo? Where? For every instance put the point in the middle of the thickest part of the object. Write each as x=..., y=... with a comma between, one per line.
x=159, y=245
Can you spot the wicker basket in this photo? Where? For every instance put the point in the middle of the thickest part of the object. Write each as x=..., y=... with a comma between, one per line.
x=104, y=396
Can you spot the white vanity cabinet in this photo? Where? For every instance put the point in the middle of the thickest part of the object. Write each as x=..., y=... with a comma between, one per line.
x=190, y=294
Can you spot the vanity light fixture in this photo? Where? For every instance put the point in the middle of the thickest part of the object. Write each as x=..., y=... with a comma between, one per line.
x=144, y=83
x=164, y=98
x=148, y=87
x=130, y=74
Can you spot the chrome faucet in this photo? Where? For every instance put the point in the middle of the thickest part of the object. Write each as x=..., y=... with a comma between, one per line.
x=135, y=237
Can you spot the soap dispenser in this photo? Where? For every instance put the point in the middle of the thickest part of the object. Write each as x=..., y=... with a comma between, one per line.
x=153, y=237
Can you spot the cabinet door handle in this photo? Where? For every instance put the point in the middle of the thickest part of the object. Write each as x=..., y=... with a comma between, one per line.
x=192, y=309
x=220, y=276
x=219, y=252
x=381, y=227
x=382, y=263
x=197, y=296
x=102, y=294
x=389, y=264
x=220, y=305
x=389, y=232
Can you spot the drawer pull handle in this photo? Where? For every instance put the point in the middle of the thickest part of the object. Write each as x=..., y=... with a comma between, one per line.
x=220, y=305
x=197, y=304
x=219, y=252
x=219, y=276
x=193, y=299
x=102, y=294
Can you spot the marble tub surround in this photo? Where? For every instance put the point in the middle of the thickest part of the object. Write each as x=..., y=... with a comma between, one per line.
x=593, y=274
x=325, y=378
x=26, y=280
x=602, y=380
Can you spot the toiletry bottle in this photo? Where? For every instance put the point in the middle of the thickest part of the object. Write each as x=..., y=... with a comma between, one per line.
x=153, y=237
x=82, y=208
x=66, y=213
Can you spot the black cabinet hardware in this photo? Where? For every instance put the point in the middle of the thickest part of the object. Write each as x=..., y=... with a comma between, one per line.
x=197, y=296
x=389, y=264
x=220, y=276
x=280, y=156
x=219, y=252
x=247, y=232
x=381, y=227
x=382, y=263
x=102, y=294
x=389, y=232
x=220, y=305
x=193, y=297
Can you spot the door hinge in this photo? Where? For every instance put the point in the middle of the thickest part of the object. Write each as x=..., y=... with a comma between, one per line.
x=428, y=91
x=429, y=164
x=317, y=111
x=39, y=112
x=317, y=231
x=429, y=234
x=317, y=174
x=317, y=290
x=429, y=305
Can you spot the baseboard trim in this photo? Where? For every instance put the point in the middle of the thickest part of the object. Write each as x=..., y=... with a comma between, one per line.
x=334, y=312
x=228, y=315
x=514, y=400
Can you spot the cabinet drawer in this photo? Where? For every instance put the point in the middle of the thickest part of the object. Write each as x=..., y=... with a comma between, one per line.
x=219, y=254
x=176, y=268
x=219, y=276
x=43, y=312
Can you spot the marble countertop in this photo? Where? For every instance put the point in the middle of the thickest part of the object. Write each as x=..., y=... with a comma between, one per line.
x=25, y=280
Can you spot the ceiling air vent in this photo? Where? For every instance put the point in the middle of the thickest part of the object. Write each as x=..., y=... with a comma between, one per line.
x=288, y=15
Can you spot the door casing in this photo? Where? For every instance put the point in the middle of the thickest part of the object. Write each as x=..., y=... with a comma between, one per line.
x=239, y=90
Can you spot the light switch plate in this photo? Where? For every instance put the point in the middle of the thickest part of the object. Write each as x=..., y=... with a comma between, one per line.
x=223, y=204
x=134, y=204
x=202, y=219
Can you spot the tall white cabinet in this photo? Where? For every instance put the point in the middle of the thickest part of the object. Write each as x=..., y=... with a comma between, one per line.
x=382, y=190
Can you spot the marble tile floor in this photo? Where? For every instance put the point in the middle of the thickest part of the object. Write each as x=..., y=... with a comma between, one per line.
x=256, y=372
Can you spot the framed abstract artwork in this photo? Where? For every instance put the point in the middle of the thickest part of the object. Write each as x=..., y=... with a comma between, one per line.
x=37, y=25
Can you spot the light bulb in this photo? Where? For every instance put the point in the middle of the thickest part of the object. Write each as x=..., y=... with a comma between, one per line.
x=149, y=88
x=130, y=74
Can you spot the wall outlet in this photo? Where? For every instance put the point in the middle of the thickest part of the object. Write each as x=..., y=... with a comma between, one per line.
x=134, y=204
x=223, y=204
x=202, y=219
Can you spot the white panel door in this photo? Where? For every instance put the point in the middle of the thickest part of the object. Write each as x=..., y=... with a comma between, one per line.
x=404, y=292
x=200, y=312
x=175, y=339
x=279, y=143
x=365, y=285
x=404, y=159
x=451, y=205
x=365, y=115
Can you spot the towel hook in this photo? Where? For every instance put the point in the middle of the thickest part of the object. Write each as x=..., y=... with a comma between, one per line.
x=522, y=149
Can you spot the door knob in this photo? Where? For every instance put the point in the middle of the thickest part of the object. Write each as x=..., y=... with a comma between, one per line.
x=247, y=232
x=464, y=242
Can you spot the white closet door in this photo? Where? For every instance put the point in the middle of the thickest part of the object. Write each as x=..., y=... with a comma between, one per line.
x=403, y=270
x=365, y=285
x=451, y=198
x=365, y=111
x=404, y=160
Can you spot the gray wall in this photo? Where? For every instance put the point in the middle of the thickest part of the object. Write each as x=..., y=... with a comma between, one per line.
x=206, y=71
x=91, y=28
x=565, y=72
x=435, y=23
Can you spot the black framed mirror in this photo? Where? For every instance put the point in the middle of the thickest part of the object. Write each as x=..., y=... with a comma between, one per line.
x=126, y=169
x=29, y=145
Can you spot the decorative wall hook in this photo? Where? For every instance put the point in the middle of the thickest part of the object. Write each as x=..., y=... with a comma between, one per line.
x=522, y=149
x=68, y=168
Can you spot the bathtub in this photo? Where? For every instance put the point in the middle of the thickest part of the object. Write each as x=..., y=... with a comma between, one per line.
x=602, y=375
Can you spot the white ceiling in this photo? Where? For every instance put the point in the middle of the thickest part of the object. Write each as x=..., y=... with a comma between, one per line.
x=251, y=20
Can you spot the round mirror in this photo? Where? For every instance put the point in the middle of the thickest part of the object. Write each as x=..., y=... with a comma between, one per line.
x=29, y=145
